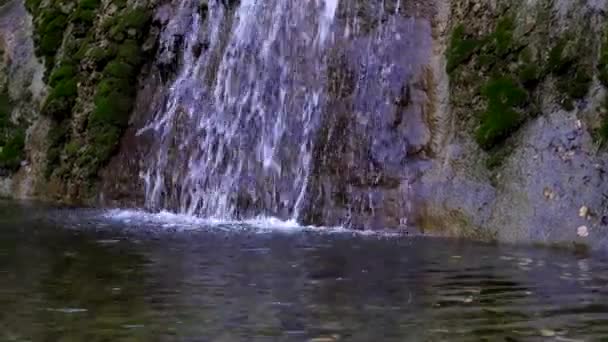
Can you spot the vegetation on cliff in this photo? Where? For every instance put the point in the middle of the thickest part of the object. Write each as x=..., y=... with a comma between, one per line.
x=502, y=70
x=93, y=54
x=12, y=137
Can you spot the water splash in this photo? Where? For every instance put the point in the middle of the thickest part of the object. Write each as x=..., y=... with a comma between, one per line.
x=261, y=225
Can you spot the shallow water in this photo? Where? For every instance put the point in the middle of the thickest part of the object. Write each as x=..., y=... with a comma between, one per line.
x=84, y=275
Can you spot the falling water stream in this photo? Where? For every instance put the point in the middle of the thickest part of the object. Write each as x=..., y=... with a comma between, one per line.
x=238, y=106
x=259, y=91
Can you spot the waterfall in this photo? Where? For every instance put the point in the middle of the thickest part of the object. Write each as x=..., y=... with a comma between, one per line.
x=259, y=92
x=226, y=133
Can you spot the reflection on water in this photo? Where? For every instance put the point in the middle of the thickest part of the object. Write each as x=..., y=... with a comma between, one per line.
x=75, y=275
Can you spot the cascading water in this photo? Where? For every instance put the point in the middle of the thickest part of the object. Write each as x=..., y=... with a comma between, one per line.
x=225, y=140
x=257, y=95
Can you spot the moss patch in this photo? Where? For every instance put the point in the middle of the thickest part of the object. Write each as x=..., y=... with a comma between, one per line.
x=510, y=70
x=115, y=93
x=501, y=118
x=461, y=48
x=12, y=138
x=572, y=77
x=602, y=66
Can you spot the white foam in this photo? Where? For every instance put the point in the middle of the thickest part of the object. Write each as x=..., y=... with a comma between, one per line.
x=165, y=219
x=260, y=224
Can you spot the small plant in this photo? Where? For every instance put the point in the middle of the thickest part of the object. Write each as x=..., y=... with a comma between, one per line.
x=500, y=119
x=12, y=137
x=502, y=37
x=461, y=48
x=118, y=69
x=60, y=101
x=12, y=150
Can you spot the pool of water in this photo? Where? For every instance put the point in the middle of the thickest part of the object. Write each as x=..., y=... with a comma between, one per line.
x=85, y=275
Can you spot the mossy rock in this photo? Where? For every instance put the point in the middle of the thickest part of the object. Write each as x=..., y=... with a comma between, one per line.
x=602, y=65
x=501, y=117
x=501, y=40
x=529, y=74
x=112, y=110
x=572, y=76
x=83, y=19
x=113, y=84
x=89, y=4
x=577, y=84
x=50, y=30
x=62, y=73
x=130, y=52
x=5, y=109
x=71, y=149
x=57, y=137
x=103, y=141
x=135, y=20
x=461, y=48
x=33, y=6
x=119, y=69
x=12, y=151
x=12, y=137
x=102, y=56
x=60, y=101
x=85, y=44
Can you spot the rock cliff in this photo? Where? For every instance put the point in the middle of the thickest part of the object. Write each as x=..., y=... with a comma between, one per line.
x=486, y=119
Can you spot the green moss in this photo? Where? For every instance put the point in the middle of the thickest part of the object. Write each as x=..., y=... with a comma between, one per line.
x=577, y=84
x=130, y=52
x=573, y=78
x=102, y=143
x=112, y=110
x=500, y=119
x=63, y=72
x=12, y=137
x=71, y=149
x=560, y=62
x=89, y=4
x=33, y=6
x=65, y=88
x=497, y=157
x=135, y=20
x=529, y=75
x=60, y=101
x=602, y=65
x=502, y=38
x=101, y=56
x=50, y=31
x=461, y=48
x=109, y=85
x=504, y=91
x=118, y=69
x=85, y=46
x=84, y=16
x=5, y=109
x=57, y=137
x=12, y=151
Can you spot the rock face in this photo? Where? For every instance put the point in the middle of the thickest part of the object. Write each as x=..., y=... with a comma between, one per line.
x=527, y=180
x=22, y=89
x=482, y=119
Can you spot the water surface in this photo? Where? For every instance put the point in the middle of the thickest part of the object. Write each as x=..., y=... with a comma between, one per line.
x=84, y=275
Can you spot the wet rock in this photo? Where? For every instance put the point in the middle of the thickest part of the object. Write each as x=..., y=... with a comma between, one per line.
x=582, y=231
x=583, y=212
